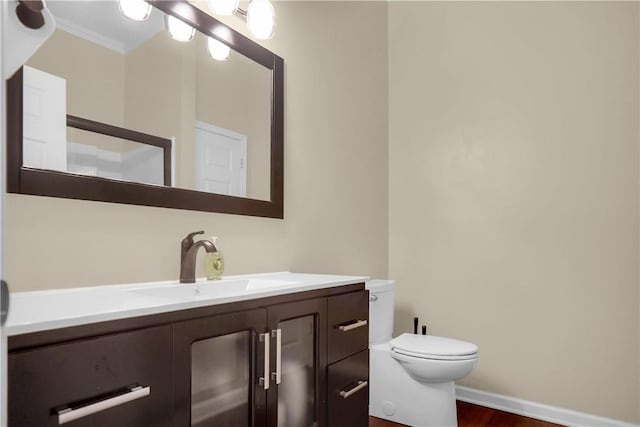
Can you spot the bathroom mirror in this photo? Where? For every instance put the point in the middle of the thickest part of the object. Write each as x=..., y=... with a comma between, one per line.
x=116, y=110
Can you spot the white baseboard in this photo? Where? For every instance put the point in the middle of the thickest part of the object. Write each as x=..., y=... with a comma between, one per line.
x=535, y=410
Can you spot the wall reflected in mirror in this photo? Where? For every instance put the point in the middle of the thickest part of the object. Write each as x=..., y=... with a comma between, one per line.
x=104, y=67
x=89, y=153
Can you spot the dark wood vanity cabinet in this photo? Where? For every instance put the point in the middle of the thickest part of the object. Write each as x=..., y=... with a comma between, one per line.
x=217, y=369
x=348, y=372
x=292, y=360
x=348, y=403
x=297, y=393
x=348, y=324
x=48, y=385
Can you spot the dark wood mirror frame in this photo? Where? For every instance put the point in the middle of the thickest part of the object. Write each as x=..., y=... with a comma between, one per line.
x=25, y=180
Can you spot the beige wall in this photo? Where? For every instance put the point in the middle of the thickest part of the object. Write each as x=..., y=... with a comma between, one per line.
x=335, y=178
x=513, y=193
x=98, y=97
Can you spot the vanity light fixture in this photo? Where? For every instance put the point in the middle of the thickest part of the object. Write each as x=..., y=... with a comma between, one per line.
x=28, y=26
x=30, y=14
x=179, y=30
x=138, y=10
x=260, y=15
x=261, y=19
x=217, y=49
x=224, y=7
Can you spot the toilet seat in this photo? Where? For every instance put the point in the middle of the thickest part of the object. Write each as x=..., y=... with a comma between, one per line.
x=433, y=347
x=434, y=357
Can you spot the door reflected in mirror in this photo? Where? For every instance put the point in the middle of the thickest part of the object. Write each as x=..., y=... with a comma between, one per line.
x=101, y=67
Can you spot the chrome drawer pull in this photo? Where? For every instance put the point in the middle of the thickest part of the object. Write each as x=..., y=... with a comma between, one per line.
x=70, y=414
x=358, y=324
x=360, y=386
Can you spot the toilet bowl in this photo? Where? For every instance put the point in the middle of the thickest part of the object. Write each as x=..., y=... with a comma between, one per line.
x=412, y=376
x=433, y=359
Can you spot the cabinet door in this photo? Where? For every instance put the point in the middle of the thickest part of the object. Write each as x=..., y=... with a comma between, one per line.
x=122, y=379
x=219, y=370
x=297, y=397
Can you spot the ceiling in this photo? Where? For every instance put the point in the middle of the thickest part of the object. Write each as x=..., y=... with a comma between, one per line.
x=101, y=22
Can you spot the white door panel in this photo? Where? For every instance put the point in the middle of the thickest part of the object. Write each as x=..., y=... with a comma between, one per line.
x=45, y=120
x=221, y=158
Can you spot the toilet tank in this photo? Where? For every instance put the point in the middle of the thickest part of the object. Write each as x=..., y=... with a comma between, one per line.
x=381, y=301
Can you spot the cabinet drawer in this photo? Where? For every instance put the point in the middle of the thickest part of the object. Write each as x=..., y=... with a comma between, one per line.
x=348, y=324
x=95, y=375
x=348, y=400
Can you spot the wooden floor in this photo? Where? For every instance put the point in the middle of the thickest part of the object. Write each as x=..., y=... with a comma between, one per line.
x=479, y=416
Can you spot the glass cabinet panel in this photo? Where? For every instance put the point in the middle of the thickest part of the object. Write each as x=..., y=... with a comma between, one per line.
x=220, y=380
x=297, y=390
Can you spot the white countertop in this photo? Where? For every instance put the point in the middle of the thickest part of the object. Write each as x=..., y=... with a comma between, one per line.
x=59, y=308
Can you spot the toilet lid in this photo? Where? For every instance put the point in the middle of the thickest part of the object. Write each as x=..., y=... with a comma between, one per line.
x=432, y=347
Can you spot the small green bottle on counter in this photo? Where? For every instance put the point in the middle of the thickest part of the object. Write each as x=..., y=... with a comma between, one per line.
x=214, y=262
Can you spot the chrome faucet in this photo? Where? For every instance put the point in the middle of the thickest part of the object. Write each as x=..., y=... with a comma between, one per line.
x=188, y=254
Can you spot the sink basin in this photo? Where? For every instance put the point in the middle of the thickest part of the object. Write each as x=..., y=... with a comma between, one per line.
x=213, y=289
x=256, y=284
x=190, y=291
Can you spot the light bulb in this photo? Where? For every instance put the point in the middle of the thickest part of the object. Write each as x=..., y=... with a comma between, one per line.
x=223, y=7
x=138, y=10
x=179, y=30
x=217, y=49
x=261, y=19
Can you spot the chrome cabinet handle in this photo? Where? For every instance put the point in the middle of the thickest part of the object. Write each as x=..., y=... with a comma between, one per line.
x=277, y=334
x=4, y=301
x=66, y=415
x=351, y=326
x=264, y=381
x=349, y=393
x=373, y=298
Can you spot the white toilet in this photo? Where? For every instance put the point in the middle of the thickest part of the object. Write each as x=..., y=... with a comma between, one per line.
x=412, y=376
